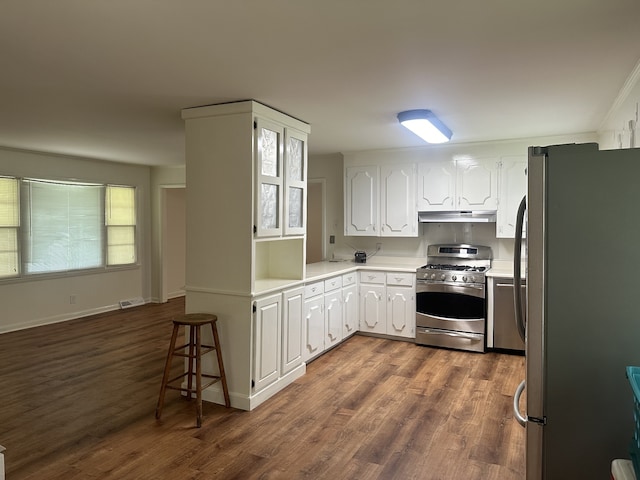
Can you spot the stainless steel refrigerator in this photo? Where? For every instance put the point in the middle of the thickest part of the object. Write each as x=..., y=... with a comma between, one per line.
x=582, y=261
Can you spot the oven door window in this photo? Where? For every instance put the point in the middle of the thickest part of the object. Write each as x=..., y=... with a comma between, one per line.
x=450, y=305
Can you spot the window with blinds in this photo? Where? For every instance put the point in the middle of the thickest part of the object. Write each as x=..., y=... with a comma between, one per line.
x=120, y=219
x=62, y=226
x=9, y=225
x=50, y=226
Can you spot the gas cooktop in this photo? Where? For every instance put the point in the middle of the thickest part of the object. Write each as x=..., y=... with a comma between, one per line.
x=457, y=268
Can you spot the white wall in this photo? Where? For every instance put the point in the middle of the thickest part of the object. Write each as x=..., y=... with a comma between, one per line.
x=620, y=127
x=37, y=301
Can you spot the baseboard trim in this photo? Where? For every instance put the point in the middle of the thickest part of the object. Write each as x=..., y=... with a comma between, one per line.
x=64, y=317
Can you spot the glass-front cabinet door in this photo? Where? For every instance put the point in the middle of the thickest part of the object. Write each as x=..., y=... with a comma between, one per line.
x=295, y=195
x=269, y=151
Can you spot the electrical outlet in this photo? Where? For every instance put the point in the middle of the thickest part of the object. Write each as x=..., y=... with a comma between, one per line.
x=72, y=299
x=332, y=239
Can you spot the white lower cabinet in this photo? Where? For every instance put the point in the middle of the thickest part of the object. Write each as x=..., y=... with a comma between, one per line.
x=387, y=303
x=333, y=312
x=292, y=323
x=401, y=304
x=373, y=307
x=277, y=331
x=349, y=304
x=313, y=343
x=266, y=331
x=330, y=313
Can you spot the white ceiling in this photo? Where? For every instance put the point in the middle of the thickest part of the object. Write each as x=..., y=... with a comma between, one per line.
x=107, y=79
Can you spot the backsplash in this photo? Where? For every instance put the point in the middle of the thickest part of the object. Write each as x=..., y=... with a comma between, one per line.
x=430, y=233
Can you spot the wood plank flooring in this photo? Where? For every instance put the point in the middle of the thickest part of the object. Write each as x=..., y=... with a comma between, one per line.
x=78, y=402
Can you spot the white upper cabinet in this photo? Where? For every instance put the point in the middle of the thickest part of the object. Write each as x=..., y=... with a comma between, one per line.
x=477, y=184
x=437, y=186
x=380, y=200
x=512, y=187
x=453, y=185
x=398, y=216
x=295, y=181
x=269, y=163
x=281, y=164
x=361, y=201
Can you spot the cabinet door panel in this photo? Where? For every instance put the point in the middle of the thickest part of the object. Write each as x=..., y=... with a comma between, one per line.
x=269, y=168
x=436, y=185
x=313, y=328
x=292, y=313
x=401, y=311
x=361, y=201
x=266, y=368
x=295, y=183
x=512, y=187
x=350, y=310
x=477, y=184
x=398, y=210
x=333, y=316
x=372, y=309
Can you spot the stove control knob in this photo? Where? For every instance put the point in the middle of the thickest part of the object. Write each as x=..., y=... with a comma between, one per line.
x=442, y=276
x=433, y=276
x=454, y=278
x=464, y=279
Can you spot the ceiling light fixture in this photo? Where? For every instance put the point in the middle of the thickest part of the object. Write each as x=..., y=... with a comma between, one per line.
x=426, y=125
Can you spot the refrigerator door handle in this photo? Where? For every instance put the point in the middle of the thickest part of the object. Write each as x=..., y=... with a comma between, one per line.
x=517, y=278
x=522, y=420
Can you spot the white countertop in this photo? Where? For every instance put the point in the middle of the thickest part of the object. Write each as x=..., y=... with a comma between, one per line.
x=503, y=268
x=321, y=270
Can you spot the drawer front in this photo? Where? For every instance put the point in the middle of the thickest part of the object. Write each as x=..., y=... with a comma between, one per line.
x=348, y=279
x=313, y=289
x=332, y=284
x=372, y=277
x=402, y=279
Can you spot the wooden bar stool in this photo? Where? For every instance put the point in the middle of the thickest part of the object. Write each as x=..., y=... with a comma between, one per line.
x=193, y=350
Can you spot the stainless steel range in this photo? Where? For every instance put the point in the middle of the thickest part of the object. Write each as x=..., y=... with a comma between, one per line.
x=450, y=297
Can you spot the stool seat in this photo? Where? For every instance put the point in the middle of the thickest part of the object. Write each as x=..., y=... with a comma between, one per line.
x=193, y=350
x=194, y=319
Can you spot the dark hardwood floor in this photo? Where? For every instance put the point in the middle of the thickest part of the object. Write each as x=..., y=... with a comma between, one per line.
x=78, y=402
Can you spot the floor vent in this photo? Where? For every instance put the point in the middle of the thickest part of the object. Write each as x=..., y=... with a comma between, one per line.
x=132, y=302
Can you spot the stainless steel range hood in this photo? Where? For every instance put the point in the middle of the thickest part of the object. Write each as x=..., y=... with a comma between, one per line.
x=477, y=216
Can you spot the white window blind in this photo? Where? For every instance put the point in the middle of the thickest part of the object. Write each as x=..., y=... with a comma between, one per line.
x=63, y=226
x=9, y=223
x=120, y=219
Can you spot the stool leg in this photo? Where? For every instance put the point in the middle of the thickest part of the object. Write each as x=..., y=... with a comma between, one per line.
x=223, y=378
x=198, y=378
x=167, y=370
x=192, y=347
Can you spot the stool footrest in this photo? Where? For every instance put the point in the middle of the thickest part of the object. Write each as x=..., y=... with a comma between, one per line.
x=215, y=379
x=204, y=349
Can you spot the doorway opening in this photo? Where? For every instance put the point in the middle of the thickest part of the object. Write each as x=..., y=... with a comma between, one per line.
x=316, y=248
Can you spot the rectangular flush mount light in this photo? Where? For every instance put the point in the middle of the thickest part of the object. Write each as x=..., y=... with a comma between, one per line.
x=426, y=125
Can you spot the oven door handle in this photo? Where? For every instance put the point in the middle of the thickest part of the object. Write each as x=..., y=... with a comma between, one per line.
x=423, y=286
x=468, y=336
